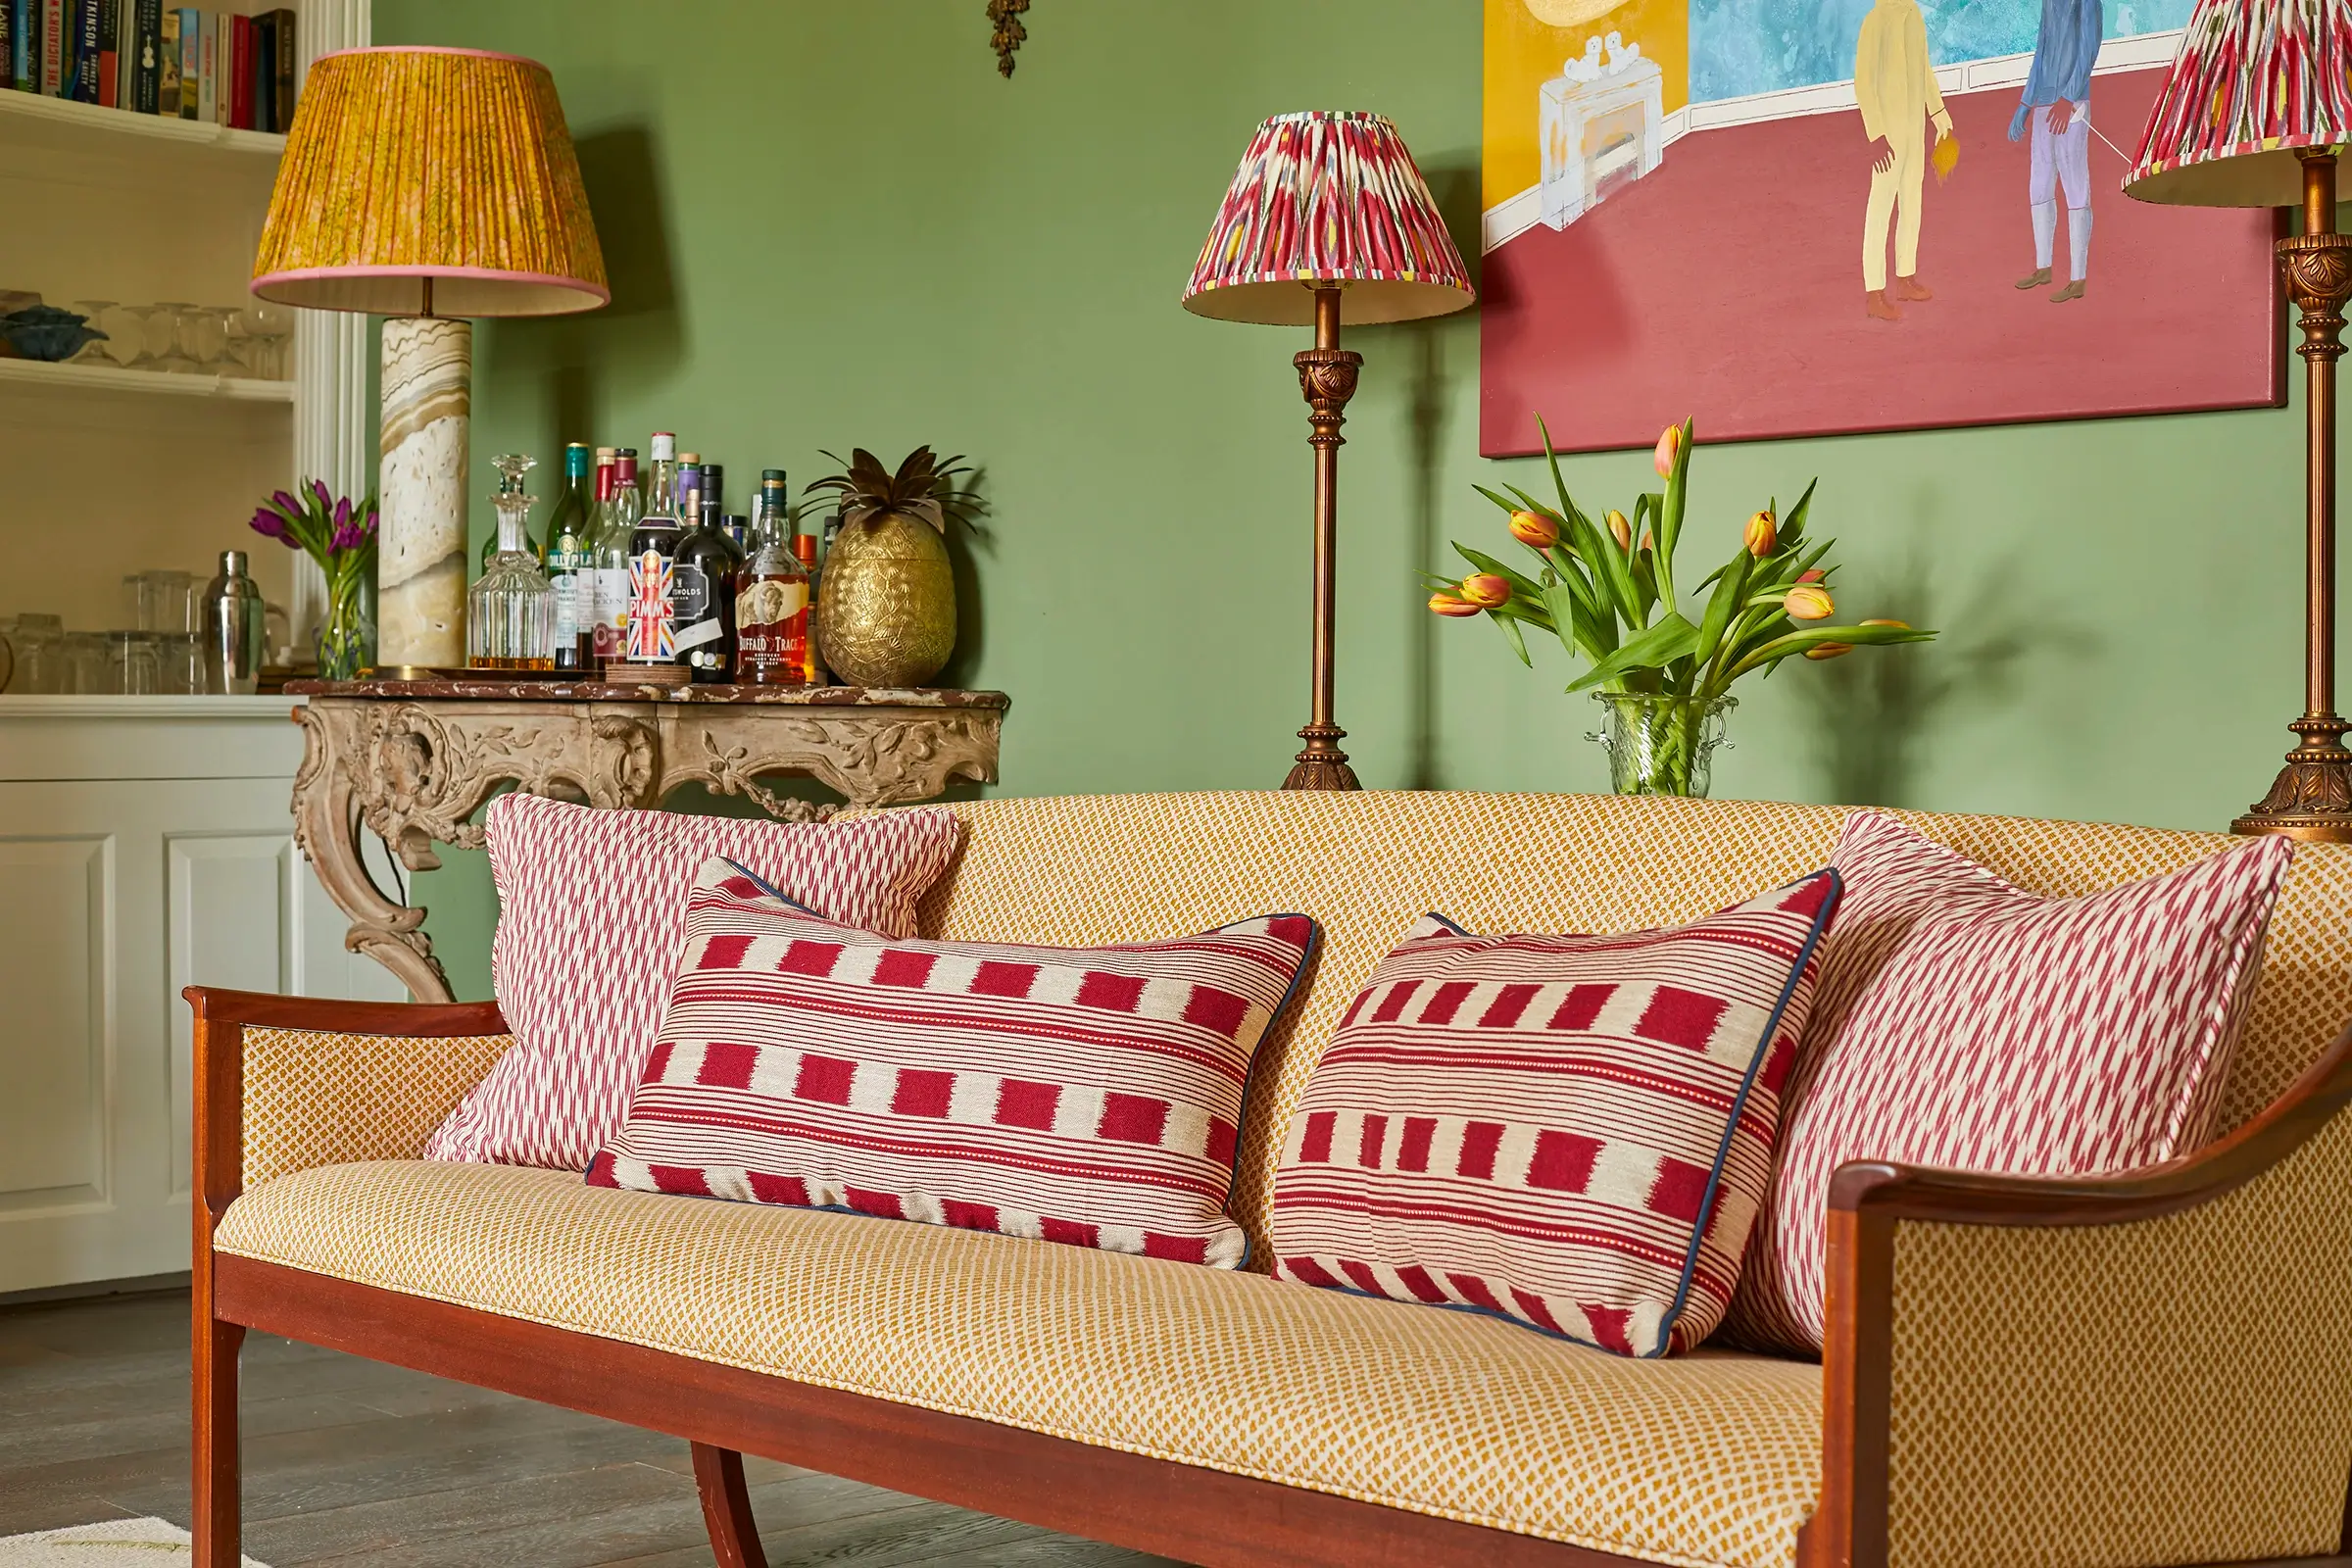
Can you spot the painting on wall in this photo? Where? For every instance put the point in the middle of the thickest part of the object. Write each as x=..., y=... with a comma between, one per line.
x=1794, y=218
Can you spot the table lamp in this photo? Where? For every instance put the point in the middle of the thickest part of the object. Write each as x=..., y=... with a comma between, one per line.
x=2251, y=115
x=428, y=186
x=1327, y=208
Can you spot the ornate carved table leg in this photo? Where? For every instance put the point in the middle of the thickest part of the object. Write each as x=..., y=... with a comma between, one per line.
x=327, y=814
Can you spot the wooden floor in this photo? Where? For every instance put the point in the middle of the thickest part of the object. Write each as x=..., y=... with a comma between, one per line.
x=360, y=1465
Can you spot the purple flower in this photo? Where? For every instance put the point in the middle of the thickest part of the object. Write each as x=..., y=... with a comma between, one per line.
x=319, y=489
x=285, y=503
x=269, y=525
x=342, y=516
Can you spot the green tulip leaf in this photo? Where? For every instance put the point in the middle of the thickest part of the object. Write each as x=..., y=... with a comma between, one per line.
x=1651, y=650
x=1510, y=632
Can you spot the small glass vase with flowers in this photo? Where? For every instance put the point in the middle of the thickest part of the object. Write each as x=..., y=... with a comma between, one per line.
x=340, y=536
x=1661, y=666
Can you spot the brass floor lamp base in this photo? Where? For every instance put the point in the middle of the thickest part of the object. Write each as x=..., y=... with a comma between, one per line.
x=1327, y=374
x=1322, y=765
x=2312, y=797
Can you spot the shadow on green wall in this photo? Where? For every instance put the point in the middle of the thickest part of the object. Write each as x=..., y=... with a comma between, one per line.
x=1874, y=712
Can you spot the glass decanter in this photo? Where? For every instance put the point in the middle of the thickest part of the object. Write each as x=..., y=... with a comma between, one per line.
x=510, y=612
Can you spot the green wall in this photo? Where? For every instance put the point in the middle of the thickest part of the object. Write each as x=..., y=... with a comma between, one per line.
x=833, y=225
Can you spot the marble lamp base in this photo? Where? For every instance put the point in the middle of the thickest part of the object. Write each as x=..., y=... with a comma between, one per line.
x=420, y=551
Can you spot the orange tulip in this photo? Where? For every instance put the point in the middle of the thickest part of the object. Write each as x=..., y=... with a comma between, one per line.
x=1670, y=447
x=1645, y=544
x=1448, y=605
x=1621, y=530
x=1816, y=575
x=1485, y=589
x=1808, y=602
x=1906, y=625
x=1762, y=535
x=1829, y=649
x=1534, y=528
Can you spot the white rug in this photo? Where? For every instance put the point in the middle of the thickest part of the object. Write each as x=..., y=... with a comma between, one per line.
x=117, y=1544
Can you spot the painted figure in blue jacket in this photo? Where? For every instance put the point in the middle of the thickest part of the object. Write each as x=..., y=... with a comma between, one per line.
x=2056, y=103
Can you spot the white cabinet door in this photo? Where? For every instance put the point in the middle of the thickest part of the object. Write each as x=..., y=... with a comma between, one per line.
x=112, y=896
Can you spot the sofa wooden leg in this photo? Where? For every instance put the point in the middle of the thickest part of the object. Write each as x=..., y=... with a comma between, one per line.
x=216, y=1523
x=726, y=1507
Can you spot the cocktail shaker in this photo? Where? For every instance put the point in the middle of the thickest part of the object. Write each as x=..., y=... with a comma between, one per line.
x=234, y=633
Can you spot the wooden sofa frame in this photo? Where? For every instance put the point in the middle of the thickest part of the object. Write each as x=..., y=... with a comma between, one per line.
x=1185, y=1511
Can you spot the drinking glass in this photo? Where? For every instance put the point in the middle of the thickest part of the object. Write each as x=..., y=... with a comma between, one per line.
x=86, y=669
x=38, y=642
x=179, y=664
x=265, y=328
x=94, y=351
x=133, y=667
x=161, y=601
x=204, y=335
x=164, y=350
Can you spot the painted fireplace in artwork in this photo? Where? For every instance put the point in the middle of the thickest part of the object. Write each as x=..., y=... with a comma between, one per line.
x=1810, y=216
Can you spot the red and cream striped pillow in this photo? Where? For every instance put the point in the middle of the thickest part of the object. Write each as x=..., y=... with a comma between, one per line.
x=1967, y=1023
x=591, y=907
x=1572, y=1131
x=1082, y=1095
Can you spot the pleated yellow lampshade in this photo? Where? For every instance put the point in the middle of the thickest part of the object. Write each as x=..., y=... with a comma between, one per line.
x=430, y=181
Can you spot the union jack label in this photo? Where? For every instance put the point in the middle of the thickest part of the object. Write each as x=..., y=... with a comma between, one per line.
x=653, y=618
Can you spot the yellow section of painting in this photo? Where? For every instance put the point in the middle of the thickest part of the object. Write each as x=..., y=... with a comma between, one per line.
x=1528, y=42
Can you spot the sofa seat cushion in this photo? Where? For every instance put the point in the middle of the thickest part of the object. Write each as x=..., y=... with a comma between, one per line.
x=1711, y=1459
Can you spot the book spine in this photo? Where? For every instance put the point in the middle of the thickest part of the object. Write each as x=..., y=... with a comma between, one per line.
x=110, y=54
x=264, y=70
x=240, y=73
x=8, y=45
x=191, y=62
x=29, y=44
x=208, y=104
x=281, y=101
x=52, y=46
x=147, y=67
x=85, y=51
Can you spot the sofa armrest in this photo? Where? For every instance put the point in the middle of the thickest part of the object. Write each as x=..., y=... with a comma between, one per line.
x=2144, y=1369
x=288, y=1083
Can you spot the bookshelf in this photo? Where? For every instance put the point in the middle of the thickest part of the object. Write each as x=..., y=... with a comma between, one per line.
x=27, y=120
x=109, y=379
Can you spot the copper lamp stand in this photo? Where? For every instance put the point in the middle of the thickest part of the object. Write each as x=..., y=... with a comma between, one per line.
x=1327, y=378
x=2312, y=797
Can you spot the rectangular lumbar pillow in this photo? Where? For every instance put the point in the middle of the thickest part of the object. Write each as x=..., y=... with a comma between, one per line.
x=1966, y=1024
x=592, y=904
x=1090, y=1095
x=1569, y=1131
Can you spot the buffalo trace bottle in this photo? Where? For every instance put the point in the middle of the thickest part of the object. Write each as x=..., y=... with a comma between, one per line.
x=570, y=566
x=614, y=533
x=702, y=595
x=771, y=605
x=653, y=561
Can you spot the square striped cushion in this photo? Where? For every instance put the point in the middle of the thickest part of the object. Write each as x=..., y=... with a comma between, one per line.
x=1966, y=1024
x=1573, y=1132
x=591, y=906
x=1082, y=1095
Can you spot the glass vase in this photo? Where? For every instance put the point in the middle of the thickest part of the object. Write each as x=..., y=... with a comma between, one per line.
x=346, y=635
x=1660, y=745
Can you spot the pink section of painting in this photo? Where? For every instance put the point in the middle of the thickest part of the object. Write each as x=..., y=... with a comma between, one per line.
x=1727, y=284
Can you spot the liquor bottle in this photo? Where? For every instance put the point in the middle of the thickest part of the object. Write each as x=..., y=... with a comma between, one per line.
x=510, y=612
x=689, y=489
x=812, y=666
x=653, y=561
x=703, y=594
x=714, y=493
x=490, y=548
x=570, y=564
x=771, y=605
x=622, y=509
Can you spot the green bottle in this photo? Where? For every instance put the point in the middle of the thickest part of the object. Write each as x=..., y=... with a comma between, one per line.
x=570, y=564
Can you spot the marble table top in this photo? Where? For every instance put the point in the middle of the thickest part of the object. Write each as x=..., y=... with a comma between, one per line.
x=491, y=687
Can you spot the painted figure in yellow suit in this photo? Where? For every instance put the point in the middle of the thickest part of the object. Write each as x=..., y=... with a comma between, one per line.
x=1895, y=84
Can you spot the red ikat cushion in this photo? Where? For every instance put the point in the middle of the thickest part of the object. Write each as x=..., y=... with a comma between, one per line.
x=1572, y=1131
x=592, y=905
x=1090, y=1095
x=1966, y=1024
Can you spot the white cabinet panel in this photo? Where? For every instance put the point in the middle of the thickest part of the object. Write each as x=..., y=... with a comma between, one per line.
x=229, y=924
x=54, y=917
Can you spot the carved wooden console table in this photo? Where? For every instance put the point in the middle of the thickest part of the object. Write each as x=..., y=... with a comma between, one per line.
x=413, y=762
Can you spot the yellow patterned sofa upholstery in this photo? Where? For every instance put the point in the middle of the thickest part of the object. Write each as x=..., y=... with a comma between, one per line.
x=2143, y=1372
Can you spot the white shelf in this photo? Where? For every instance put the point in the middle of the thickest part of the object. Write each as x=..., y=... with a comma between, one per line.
x=33, y=112
x=167, y=383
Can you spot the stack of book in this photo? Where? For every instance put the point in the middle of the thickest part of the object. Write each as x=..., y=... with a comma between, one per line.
x=224, y=68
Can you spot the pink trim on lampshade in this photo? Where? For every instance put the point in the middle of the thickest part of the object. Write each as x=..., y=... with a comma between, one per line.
x=487, y=274
x=429, y=49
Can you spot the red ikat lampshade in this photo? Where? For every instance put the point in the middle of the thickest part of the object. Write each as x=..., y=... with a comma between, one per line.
x=1322, y=198
x=2254, y=80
